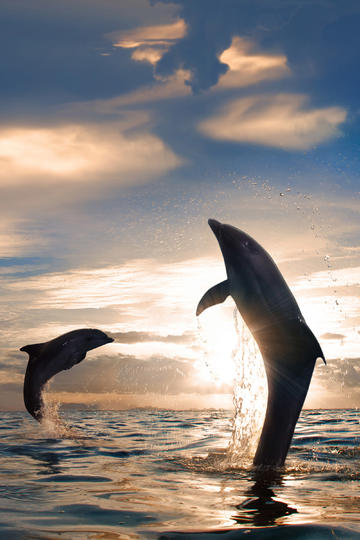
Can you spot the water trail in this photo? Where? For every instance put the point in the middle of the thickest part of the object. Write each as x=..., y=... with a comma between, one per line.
x=250, y=395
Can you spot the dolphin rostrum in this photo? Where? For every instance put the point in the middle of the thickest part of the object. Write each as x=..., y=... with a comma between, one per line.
x=47, y=359
x=288, y=347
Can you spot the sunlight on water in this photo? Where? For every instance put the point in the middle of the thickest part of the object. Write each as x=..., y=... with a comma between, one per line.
x=250, y=394
x=138, y=474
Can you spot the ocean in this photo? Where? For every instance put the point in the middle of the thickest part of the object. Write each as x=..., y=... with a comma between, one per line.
x=148, y=473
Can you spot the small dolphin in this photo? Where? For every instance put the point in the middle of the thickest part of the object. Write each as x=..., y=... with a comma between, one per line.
x=288, y=347
x=47, y=359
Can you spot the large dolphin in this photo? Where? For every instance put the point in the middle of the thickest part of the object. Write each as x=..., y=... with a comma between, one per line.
x=288, y=347
x=47, y=359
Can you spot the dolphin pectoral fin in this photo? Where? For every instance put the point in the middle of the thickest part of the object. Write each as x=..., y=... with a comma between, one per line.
x=215, y=295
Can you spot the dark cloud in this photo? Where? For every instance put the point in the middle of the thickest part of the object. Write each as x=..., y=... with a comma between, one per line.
x=330, y=45
x=120, y=374
x=211, y=26
x=54, y=51
x=340, y=375
x=13, y=360
x=130, y=375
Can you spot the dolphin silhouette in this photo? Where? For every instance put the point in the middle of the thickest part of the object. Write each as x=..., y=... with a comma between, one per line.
x=288, y=347
x=49, y=358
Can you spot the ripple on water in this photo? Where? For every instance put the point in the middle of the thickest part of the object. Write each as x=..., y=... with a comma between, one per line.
x=181, y=476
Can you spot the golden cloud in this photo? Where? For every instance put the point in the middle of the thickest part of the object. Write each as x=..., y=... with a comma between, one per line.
x=246, y=68
x=280, y=121
x=74, y=152
x=149, y=35
x=149, y=42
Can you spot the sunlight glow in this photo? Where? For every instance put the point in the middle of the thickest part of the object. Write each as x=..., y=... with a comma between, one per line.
x=218, y=340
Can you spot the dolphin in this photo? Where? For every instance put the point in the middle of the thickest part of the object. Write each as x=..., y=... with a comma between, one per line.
x=288, y=346
x=49, y=358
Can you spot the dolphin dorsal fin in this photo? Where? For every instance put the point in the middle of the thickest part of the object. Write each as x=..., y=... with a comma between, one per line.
x=312, y=343
x=216, y=295
x=32, y=350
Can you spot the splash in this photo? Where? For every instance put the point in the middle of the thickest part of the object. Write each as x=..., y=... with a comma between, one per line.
x=250, y=395
x=53, y=424
x=242, y=368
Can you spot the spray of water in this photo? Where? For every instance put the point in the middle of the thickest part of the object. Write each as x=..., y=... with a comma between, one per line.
x=249, y=392
x=250, y=395
x=52, y=423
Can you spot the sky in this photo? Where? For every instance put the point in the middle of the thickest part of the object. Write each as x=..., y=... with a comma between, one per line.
x=124, y=126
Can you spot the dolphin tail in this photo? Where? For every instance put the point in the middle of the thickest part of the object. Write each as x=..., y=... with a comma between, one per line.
x=283, y=410
x=289, y=356
x=216, y=295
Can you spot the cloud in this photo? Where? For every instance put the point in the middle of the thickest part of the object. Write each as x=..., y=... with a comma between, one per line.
x=149, y=42
x=148, y=306
x=141, y=337
x=162, y=34
x=315, y=38
x=77, y=59
x=332, y=335
x=129, y=375
x=170, y=88
x=279, y=121
x=17, y=238
x=119, y=381
x=334, y=278
x=340, y=379
x=201, y=51
x=142, y=296
x=246, y=67
x=135, y=284
x=124, y=151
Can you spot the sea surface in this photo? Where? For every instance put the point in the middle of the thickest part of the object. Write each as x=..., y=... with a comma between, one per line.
x=165, y=474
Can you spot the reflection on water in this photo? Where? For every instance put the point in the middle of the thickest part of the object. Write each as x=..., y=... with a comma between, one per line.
x=262, y=508
x=145, y=473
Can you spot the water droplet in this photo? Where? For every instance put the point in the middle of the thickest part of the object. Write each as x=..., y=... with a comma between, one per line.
x=281, y=194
